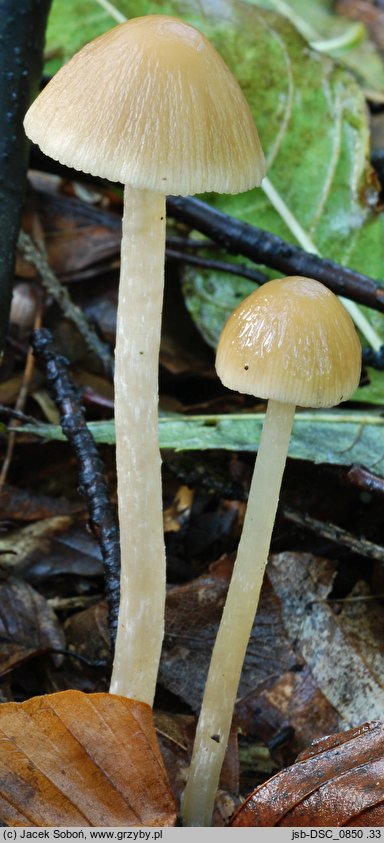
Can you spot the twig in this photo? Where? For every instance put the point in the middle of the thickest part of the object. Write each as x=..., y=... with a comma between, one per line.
x=69, y=604
x=9, y=413
x=93, y=485
x=22, y=28
x=20, y=403
x=216, y=265
x=38, y=259
x=365, y=480
x=260, y=246
x=336, y=534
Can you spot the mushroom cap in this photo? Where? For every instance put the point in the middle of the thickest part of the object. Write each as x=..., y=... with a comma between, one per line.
x=291, y=340
x=151, y=104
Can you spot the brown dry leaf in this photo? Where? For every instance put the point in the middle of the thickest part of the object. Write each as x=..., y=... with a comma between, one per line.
x=73, y=759
x=51, y=547
x=362, y=620
x=88, y=234
x=292, y=707
x=339, y=781
x=348, y=674
x=277, y=690
x=28, y=626
x=21, y=545
x=192, y=616
x=87, y=636
x=21, y=505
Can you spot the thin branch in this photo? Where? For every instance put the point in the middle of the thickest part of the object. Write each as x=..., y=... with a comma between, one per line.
x=365, y=480
x=240, y=238
x=21, y=401
x=216, y=266
x=36, y=256
x=93, y=485
x=334, y=533
x=22, y=28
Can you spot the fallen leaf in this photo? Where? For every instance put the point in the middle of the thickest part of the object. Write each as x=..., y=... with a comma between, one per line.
x=88, y=234
x=72, y=759
x=192, y=615
x=343, y=671
x=33, y=540
x=21, y=505
x=28, y=626
x=337, y=782
x=50, y=548
x=339, y=437
x=277, y=690
x=290, y=707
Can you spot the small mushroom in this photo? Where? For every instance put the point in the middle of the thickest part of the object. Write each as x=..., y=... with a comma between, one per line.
x=152, y=105
x=291, y=342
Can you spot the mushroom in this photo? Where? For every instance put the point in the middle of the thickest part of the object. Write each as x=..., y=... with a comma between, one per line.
x=152, y=105
x=292, y=342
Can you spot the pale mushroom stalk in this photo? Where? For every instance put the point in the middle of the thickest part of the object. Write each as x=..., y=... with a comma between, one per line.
x=292, y=343
x=142, y=581
x=152, y=105
x=238, y=614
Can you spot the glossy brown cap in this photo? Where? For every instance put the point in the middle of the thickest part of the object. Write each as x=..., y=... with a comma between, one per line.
x=151, y=104
x=291, y=340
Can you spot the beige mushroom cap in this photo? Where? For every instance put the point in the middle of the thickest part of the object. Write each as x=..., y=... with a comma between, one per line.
x=151, y=104
x=291, y=340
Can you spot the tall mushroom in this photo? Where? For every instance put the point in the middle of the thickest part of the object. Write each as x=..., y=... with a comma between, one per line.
x=291, y=342
x=152, y=105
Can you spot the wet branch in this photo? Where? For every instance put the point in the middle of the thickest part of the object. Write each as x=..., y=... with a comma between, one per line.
x=240, y=238
x=92, y=485
x=22, y=27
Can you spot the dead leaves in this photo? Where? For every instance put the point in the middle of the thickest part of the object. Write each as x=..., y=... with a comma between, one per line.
x=297, y=678
x=337, y=782
x=74, y=759
x=349, y=673
x=28, y=626
x=312, y=667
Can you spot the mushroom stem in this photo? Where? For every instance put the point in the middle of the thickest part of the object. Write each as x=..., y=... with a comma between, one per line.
x=141, y=615
x=238, y=617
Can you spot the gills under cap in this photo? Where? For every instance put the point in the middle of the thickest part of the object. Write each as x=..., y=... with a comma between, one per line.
x=151, y=104
x=293, y=341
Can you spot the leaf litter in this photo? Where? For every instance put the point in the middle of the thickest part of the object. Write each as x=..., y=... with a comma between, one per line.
x=291, y=691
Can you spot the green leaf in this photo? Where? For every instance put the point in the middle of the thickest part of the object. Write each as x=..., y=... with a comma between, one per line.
x=318, y=24
x=210, y=298
x=311, y=116
x=312, y=119
x=337, y=437
x=373, y=391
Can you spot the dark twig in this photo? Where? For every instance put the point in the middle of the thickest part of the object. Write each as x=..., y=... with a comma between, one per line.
x=260, y=246
x=22, y=27
x=93, y=485
x=216, y=265
x=365, y=480
x=9, y=413
x=374, y=358
x=334, y=533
